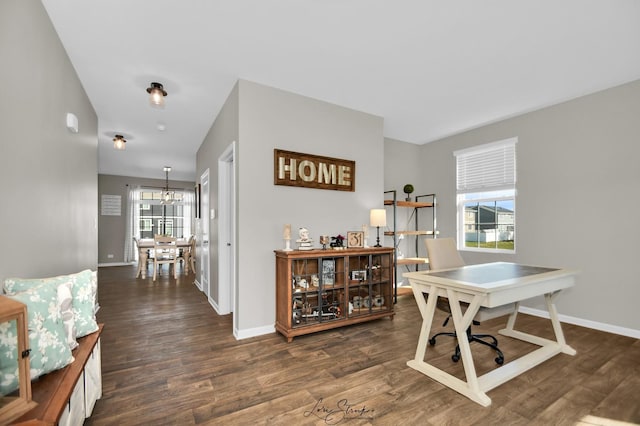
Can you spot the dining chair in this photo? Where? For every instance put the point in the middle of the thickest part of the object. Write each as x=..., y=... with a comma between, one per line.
x=165, y=251
x=443, y=254
x=192, y=253
x=188, y=255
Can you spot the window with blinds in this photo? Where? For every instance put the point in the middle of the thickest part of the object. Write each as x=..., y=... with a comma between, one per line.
x=486, y=190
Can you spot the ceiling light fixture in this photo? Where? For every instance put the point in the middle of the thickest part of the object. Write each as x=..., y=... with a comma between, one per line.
x=119, y=142
x=168, y=197
x=156, y=94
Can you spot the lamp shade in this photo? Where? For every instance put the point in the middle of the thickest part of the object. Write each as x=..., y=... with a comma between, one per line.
x=378, y=217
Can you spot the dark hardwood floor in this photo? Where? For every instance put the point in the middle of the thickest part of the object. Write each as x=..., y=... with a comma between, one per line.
x=169, y=359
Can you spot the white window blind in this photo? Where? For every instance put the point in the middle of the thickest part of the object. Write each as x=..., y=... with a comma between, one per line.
x=488, y=167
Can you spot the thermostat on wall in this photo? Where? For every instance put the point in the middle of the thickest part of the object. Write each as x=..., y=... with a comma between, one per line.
x=72, y=122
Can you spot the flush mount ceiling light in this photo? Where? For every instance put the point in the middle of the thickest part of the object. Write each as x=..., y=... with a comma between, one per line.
x=156, y=94
x=119, y=142
x=168, y=197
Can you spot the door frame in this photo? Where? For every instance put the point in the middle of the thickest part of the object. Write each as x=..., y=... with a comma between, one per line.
x=227, y=270
x=205, y=237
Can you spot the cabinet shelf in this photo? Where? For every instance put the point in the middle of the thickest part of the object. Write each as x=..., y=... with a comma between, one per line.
x=412, y=204
x=415, y=233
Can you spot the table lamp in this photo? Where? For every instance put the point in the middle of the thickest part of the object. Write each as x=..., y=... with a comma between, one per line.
x=378, y=218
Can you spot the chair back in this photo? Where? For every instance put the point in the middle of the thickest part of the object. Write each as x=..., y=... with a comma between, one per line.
x=443, y=254
x=165, y=248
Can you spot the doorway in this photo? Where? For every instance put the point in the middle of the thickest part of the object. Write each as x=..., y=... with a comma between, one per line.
x=227, y=231
x=203, y=260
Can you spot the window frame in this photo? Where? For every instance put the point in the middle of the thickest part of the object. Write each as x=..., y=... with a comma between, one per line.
x=461, y=210
x=494, y=193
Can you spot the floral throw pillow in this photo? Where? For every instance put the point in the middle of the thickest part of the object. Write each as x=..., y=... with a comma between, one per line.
x=84, y=290
x=49, y=348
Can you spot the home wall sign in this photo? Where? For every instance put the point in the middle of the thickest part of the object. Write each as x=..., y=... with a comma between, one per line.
x=313, y=171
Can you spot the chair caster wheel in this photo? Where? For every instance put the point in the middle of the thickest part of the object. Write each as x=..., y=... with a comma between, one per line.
x=455, y=358
x=432, y=341
x=500, y=360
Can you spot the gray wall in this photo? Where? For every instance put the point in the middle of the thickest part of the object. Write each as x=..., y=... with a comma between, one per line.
x=270, y=118
x=49, y=175
x=112, y=229
x=403, y=165
x=577, y=197
x=223, y=132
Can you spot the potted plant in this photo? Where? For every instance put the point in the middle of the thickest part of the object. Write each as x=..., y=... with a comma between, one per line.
x=408, y=189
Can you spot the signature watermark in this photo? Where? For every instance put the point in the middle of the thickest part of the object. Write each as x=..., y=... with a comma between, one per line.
x=339, y=412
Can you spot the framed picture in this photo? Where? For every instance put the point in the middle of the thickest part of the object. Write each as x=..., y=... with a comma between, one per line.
x=359, y=275
x=355, y=239
x=197, y=201
x=328, y=271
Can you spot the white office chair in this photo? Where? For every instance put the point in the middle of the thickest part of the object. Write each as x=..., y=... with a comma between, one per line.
x=443, y=254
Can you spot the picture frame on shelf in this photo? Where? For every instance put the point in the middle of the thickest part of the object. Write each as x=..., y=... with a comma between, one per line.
x=355, y=239
x=328, y=271
x=359, y=275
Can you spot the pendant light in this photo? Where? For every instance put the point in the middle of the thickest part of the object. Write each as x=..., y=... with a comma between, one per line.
x=168, y=197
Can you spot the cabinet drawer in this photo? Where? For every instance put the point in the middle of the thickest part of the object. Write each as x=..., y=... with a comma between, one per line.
x=73, y=414
x=92, y=380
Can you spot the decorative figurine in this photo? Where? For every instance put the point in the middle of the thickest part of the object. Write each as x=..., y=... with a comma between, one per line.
x=304, y=242
x=324, y=240
x=337, y=242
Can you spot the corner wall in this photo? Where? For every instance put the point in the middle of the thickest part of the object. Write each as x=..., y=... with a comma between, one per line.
x=49, y=175
x=269, y=118
x=576, y=205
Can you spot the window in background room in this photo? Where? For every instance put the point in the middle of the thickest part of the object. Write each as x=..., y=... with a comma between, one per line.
x=147, y=216
x=486, y=193
x=165, y=219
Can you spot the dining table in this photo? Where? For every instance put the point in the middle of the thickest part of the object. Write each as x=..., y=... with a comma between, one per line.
x=146, y=244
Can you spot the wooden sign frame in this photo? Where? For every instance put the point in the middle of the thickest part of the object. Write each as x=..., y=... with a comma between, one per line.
x=313, y=171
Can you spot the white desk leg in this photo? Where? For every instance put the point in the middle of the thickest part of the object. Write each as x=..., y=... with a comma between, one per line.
x=511, y=322
x=461, y=324
x=470, y=388
x=557, y=327
x=427, y=310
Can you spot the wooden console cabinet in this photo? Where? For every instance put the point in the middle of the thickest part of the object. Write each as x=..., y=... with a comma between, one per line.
x=322, y=289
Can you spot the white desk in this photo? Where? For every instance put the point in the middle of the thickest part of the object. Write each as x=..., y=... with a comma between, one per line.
x=488, y=285
x=146, y=244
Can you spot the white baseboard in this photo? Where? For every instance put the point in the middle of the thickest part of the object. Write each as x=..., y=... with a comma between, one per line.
x=629, y=332
x=197, y=283
x=102, y=265
x=214, y=305
x=253, y=332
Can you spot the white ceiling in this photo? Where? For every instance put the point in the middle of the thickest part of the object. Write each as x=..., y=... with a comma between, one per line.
x=429, y=68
